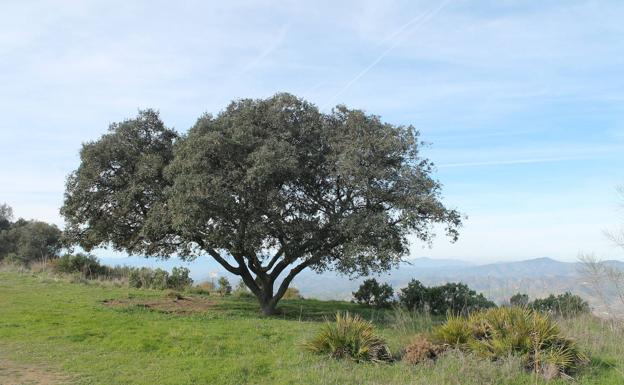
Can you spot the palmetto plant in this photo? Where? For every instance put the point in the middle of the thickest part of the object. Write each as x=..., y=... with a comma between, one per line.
x=499, y=333
x=352, y=337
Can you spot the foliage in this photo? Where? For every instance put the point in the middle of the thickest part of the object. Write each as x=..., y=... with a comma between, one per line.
x=30, y=241
x=414, y=296
x=85, y=264
x=421, y=350
x=179, y=278
x=241, y=290
x=6, y=216
x=206, y=286
x=267, y=188
x=373, y=293
x=456, y=298
x=159, y=279
x=224, y=286
x=292, y=293
x=565, y=305
x=498, y=333
x=350, y=336
x=519, y=300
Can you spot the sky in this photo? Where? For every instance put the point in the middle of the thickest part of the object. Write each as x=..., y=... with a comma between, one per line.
x=521, y=102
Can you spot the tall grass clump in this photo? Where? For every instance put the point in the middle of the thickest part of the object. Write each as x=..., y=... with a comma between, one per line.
x=352, y=337
x=498, y=333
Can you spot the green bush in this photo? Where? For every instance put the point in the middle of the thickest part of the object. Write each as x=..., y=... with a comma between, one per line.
x=224, y=286
x=352, y=337
x=498, y=333
x=455, y=298
x=520, y=300
x=414, y=296
x=85, y=264
x=565, y=305
x=160, y=279
x=179, y=278
x=373, y=293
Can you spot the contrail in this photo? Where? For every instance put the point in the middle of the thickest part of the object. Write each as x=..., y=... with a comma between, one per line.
x=274, y=44
x=416, y=21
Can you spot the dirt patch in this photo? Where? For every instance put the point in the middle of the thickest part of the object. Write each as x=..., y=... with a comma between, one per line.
x=13, y=373
x=183, y=305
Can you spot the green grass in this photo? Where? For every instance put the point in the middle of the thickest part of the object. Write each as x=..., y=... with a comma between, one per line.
x=52, y=323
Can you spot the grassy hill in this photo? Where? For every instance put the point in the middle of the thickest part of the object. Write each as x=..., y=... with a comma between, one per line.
x=88, y=333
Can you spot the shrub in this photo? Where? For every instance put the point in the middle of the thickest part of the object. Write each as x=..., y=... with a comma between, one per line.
x=179, y=278
x=292, y=293
x=352, y=337
x=242, y=291
x=499, y=333
x=519, y=300
x=373, y=293
x=565, y=305
x=205, y=287
x=414, y=296
x=85, y=264
x=421, y=350
x=224, y=286
x=455, y=298
x=159, y=280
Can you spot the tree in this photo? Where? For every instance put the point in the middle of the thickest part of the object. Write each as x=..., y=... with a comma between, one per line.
x=456, y=298
x=565, y=305
x=30, y=241
x=224, y=286
x=414, y=296
x=6, y=216
x=373, y=293
x=519, y=299
x=267, y=188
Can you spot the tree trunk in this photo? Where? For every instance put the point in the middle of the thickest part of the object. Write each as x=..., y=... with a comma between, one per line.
x=269, y=307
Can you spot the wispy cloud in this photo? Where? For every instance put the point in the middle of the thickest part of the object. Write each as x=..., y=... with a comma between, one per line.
x=395, y=40
x=268, y=50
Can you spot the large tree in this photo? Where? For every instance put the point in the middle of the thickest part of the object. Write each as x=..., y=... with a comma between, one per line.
x=267, y=188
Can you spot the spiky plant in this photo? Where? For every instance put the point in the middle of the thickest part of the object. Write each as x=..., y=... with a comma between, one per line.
x=352, y=337
x=498, y=333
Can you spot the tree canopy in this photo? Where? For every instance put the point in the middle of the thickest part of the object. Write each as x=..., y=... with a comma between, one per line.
x=26, y=241
x=268, y=187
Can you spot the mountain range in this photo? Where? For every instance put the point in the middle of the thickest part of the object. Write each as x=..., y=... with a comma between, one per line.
x=536, y=277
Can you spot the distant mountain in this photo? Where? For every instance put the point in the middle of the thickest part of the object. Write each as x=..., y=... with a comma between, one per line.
x=498, y=281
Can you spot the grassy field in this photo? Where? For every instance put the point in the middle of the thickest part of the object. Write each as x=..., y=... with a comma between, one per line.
x=93, y=334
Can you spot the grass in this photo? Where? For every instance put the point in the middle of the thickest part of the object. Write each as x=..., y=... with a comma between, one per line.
x=49, y=322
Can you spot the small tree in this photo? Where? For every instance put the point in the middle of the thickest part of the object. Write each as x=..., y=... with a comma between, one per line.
x=373, y=293
x=30, y=241
x=224, y=286
x=456, y=298
x=520, y=300
x=414, y=296
x=179, y=278
x=267, y=188
x=564, y=305
x=6, y=216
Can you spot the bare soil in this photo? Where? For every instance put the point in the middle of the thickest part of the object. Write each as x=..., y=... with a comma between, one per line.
x=13, y=373
x=184, y=305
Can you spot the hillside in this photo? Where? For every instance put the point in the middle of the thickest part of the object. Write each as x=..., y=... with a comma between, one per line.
x=90, y=333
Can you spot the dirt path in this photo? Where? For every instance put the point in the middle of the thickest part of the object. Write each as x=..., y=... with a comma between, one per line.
x=13, y=373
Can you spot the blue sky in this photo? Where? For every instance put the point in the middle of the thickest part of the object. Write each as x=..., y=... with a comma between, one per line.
x=522, y=101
